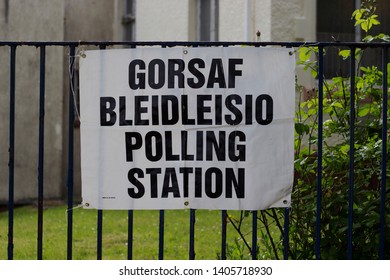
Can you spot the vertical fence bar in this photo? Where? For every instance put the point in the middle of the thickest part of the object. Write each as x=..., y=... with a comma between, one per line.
x=99, y=237
x=130, y=234
x=41, y=149
x=70, y=153
x=161, y=222
x=351, y=154
x=254, y=235
x=319, y=158
x=223, y=242
x=161, y=236
x=192, y=235
x=384, y=155
x=192, y=221
x=11, y=162
x=130, y=222
x=286, y=233
x=99, y=226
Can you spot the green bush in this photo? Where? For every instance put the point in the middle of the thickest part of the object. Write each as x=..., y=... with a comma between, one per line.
x=367, y=116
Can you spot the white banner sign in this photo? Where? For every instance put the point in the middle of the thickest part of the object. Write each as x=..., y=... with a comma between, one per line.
x=200, y=128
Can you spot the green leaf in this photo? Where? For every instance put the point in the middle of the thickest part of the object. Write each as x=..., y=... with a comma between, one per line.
x=364, y=26
x=388, y=71
x=357, y=14
x=360, y=84
x=302, y=128
x=337, y=79
x=345, y=54
x=374, y=21
x=384, y=37
x=337, y=104
x=363, y=112
x=368, y=39
x=304, y=54
x=344, y=149
x=359, y=22
x=312, y=111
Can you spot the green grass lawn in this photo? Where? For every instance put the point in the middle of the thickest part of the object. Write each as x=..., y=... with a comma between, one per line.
x=145, y=239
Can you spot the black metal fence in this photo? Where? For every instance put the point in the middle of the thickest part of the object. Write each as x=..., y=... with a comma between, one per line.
x=73, y=46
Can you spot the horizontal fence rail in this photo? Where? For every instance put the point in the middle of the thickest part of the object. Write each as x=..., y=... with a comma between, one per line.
x=72, y=49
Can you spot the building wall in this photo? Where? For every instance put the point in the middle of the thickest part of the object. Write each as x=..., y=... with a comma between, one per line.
x=16, y=22
x=175, y=20
x=161, y=20
x=277, y=20
x=231, y=30
x=246, y=17
x=89, y=20
x=283, y=17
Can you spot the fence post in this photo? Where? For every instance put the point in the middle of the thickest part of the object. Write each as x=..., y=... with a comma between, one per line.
x=384, y=154
x=41, y=149
x=286, y=233
x=192, y=235
x=319, y=159
x=99, y=238
x=351, y=153
x=161, y=235
x=130, y=234
x=254, y=235
x=11, y=163
x=223, y=245
x=70, y=153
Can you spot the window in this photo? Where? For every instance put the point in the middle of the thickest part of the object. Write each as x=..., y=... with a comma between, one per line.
x=334, y=20
x=207, y=20
x=335, y=23
x=128, y=20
